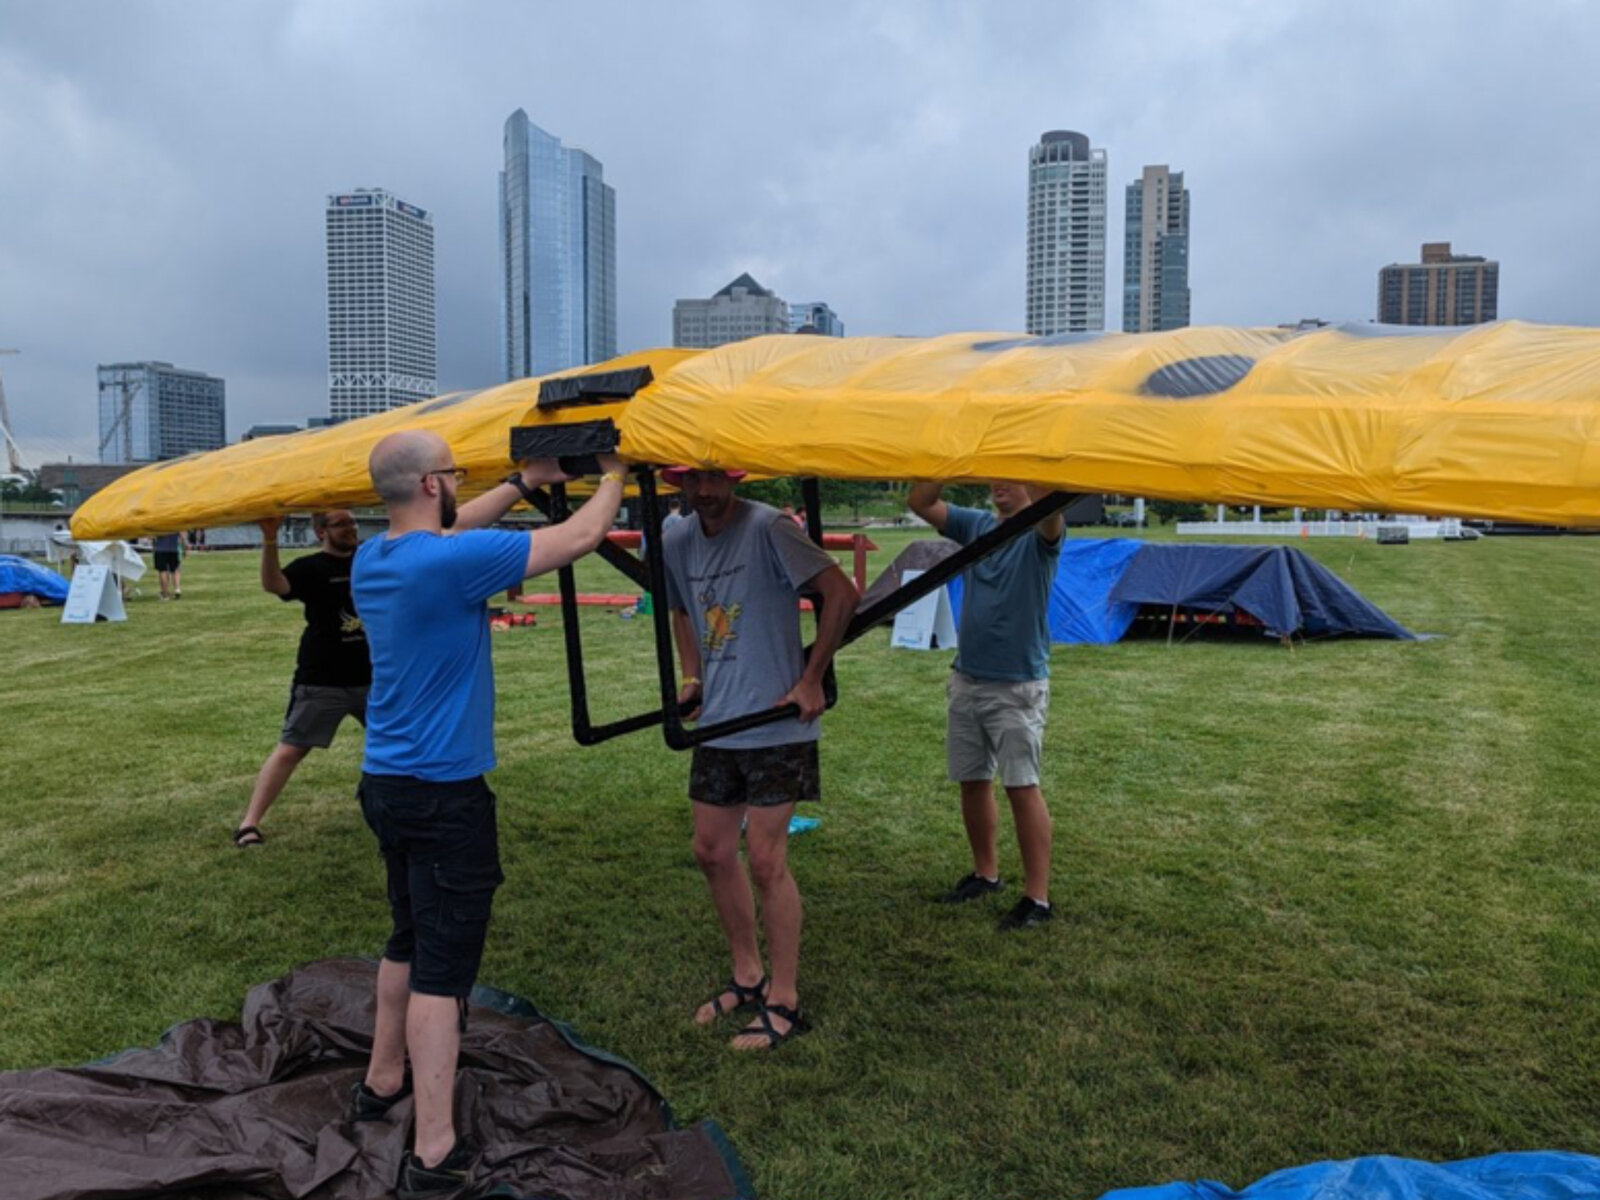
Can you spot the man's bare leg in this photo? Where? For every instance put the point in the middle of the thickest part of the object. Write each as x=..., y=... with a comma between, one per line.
x=1033, y=839
x=716, y=849
x=981, y=818
x=767, y=840
x=433, y=1036
x=274, y=774
x=387, y=1070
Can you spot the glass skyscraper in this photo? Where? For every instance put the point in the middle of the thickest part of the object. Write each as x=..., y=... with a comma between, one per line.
x=558, y=251
x=1155, y=253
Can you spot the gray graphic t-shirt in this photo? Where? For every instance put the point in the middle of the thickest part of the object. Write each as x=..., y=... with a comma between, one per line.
x=741, y=591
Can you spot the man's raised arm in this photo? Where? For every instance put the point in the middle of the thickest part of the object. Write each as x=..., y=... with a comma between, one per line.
x=272, y=577
x=927, y=502
x=557, y=545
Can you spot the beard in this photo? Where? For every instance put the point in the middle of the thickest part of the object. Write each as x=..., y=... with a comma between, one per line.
x=447, y=510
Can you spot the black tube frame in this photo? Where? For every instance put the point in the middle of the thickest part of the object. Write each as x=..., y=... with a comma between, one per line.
x=652, y=574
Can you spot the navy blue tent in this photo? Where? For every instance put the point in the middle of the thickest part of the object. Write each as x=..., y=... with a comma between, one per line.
x=30, y=579
x=1102, y=582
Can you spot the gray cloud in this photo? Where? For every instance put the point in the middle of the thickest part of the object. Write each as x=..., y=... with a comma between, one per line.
x=163, y=164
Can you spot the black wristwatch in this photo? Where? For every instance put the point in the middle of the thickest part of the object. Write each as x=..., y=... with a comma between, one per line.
x=516, y=481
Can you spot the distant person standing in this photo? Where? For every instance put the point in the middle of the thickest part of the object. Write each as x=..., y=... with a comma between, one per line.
x=421, y=591
x=168, y=549
x=999, y=691
x=333, y=669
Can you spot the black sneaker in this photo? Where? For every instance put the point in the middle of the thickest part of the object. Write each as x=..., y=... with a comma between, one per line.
x=367, y=1105
x=418, y=1182
x=1026, y=912
x=970, y=888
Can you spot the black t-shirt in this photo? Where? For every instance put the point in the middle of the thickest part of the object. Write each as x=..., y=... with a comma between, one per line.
x=333, y=649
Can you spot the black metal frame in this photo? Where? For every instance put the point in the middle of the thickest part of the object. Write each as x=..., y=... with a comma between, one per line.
x=651, y=574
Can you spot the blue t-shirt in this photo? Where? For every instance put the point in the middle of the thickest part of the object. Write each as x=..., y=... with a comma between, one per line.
x=1005, y=602
x=421, y=596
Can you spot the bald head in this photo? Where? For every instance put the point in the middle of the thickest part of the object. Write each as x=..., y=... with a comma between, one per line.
x=399, y=462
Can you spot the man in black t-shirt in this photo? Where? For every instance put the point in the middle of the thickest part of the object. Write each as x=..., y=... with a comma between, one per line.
x=334, y=668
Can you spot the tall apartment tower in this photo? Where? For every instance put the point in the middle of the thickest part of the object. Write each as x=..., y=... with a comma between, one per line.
x=1155, y=255
x=742, y=309
x=381, y=334
x=558, y=255
x=153, y=410
x=1442, y=289
x=1066, y=235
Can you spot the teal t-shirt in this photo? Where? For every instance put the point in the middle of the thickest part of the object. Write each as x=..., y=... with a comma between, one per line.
x=1005, y=602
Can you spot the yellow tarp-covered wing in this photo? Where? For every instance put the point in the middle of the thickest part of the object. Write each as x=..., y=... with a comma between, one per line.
x=327, y=467
x=1499, y=420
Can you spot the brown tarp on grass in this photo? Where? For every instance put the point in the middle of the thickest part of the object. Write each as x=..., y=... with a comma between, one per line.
x=256, y=1110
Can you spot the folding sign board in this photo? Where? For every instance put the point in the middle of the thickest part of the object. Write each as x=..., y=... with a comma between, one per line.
x=94, y=595
x=926, y=625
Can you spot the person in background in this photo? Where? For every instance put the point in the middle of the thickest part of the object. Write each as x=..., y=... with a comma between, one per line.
x=999, y=691
x=168, y=553
x=332, y=670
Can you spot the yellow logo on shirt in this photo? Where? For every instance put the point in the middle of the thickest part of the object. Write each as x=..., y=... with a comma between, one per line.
x=719, y=621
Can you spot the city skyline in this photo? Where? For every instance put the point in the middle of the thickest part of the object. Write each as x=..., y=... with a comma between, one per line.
x=899, y=198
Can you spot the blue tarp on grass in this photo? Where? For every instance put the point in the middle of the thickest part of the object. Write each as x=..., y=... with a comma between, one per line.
x=20, y=575
x=1101, y=583
x=1529, y=1175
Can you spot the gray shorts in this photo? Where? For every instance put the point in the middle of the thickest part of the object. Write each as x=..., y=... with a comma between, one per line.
x=995, y=725
x=315, y=712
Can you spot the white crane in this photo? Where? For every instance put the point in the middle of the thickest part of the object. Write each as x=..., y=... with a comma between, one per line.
x=14, y=464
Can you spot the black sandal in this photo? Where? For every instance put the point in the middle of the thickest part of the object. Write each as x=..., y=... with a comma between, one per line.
x=764, y=1027
x=248, y=835
x=746, y=998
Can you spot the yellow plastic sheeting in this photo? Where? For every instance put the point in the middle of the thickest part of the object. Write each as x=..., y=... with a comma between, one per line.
x=327, y=467
x=1497, y=421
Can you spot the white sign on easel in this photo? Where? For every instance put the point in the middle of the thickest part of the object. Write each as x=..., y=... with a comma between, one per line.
x=926, y=625
x=94, y=594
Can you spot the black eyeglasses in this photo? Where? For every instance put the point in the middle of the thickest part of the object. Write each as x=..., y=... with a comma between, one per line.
x=458, y=473
x=347, y=524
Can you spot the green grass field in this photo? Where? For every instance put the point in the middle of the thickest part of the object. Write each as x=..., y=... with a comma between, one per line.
x=1320, y=902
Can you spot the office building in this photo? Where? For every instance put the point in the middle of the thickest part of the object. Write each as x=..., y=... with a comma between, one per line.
x=381, y=332
x=558, y=255
x=741, y=310
x=1442, y=289
x=153, y=410
x=1155, y=257
x=1066, y=235
x=814, y=316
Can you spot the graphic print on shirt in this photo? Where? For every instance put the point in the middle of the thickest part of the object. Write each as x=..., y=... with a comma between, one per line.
x=350, y=625
x=720, y=621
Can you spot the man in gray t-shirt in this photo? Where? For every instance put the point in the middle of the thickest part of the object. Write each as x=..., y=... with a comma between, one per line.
x=735, y=570
x=999, y=691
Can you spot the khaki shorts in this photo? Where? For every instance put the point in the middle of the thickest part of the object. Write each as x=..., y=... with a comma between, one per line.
x=995, y=726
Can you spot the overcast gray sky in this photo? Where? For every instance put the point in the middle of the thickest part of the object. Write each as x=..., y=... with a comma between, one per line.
x=164, y=163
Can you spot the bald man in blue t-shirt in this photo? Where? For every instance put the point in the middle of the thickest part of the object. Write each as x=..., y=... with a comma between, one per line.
x=999, y=691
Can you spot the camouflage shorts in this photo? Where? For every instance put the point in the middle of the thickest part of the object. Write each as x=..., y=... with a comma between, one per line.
x=764, y=777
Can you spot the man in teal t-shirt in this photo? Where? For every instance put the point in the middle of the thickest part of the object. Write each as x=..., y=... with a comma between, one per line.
x=999, y=691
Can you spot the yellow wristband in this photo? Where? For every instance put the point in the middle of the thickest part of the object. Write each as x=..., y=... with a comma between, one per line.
x=612, y=477
x=688, y=679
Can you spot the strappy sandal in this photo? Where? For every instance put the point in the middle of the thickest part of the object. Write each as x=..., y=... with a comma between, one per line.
x=746, y=998
x=764, y=1027
x=248, y=835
